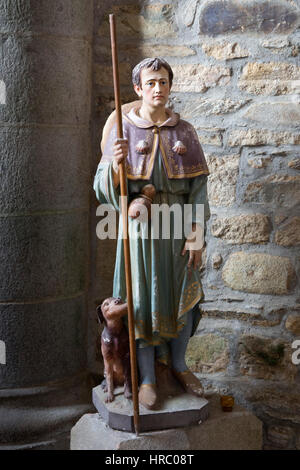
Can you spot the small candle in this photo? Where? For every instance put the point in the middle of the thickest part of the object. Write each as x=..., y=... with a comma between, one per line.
x=227, y=402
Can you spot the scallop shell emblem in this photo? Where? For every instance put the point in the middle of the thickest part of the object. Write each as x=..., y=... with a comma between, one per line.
x=142, y=147
x=179, y=148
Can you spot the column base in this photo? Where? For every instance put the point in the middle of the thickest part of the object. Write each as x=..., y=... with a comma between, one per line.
x=41, y=417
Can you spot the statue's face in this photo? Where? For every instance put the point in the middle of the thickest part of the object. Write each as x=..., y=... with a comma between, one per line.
x=155, y=87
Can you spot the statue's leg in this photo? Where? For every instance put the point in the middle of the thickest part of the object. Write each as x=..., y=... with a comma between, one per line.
x=145, y=359
x=178, y=345
x=147, y=392
x=188, y=380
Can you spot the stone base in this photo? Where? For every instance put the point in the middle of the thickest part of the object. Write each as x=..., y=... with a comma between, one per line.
x=236, y=430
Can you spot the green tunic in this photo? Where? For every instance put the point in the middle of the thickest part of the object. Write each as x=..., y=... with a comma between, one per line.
x=164, y=290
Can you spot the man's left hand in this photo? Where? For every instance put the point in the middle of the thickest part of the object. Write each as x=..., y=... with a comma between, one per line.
x=195, y=256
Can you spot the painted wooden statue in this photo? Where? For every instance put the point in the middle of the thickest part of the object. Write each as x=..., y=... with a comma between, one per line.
x=161, y=150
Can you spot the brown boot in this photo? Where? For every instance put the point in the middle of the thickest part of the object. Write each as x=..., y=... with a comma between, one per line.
x=148, y=396
x=190, y=382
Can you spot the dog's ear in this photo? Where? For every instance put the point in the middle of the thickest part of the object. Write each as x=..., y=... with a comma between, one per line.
x=100, y=316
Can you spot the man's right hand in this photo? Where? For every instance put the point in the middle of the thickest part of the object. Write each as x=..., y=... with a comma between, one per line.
x=120, y=151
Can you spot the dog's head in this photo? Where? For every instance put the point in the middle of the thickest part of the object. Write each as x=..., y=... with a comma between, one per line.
x=107, y=306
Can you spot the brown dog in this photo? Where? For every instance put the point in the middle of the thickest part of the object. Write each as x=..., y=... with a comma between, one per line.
x=115, y=346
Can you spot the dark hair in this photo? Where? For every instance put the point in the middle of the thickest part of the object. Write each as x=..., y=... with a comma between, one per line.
x=152, y=64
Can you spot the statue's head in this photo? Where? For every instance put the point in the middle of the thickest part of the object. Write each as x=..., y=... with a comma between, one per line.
x=152, y=80
x=154, y=64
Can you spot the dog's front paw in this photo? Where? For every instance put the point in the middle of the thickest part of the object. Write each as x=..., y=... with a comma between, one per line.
x=127, y=392
x=109, y=398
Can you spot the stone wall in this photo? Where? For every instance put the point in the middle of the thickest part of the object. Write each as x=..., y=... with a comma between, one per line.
x=237, y=80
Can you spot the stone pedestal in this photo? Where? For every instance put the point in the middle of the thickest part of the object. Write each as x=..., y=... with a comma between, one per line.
x=175, y=407
x=178, y=409
x=236, y=430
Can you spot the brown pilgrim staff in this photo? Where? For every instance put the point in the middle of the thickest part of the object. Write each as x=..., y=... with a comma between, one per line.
x=123, y=187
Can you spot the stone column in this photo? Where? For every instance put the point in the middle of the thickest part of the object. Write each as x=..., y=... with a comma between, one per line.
x=45, y=95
